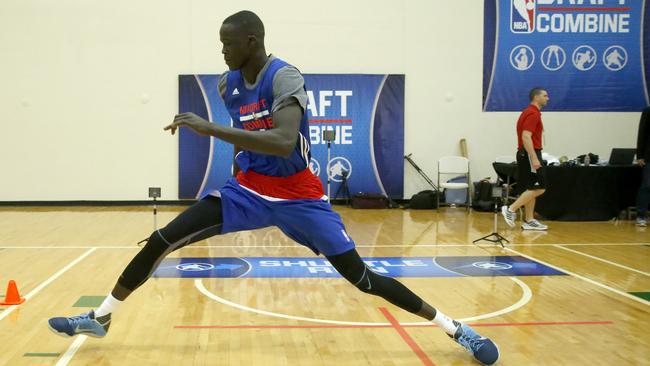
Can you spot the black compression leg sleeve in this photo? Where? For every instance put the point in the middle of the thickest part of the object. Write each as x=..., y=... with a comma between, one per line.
x=144, y=263
x=200, y=221
x=352, y=268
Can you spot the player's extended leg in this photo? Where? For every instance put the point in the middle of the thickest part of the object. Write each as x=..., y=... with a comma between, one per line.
x=200, y=221
x=352, y=268
x=314, y=224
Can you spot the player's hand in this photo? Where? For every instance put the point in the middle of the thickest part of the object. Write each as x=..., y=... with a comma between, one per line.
x=536, y=164
x=641, y=162
x=191, y=120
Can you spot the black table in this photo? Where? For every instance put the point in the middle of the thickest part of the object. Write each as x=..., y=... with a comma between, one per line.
x=580, y=193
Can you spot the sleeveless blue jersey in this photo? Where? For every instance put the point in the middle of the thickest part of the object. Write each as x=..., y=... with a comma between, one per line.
x=250, y=109
x=274, y=191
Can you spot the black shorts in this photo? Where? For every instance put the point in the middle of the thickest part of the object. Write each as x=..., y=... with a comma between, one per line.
x=528, y=178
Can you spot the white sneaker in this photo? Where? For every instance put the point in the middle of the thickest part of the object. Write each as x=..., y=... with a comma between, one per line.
x=641, y=221
x=508, y=216
x=534, y=225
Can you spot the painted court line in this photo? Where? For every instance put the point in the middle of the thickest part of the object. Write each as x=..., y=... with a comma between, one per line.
x=603, y=260
x=48, y=281
x=619, y=292
x=41, y=354
x=407, y=338
x=74, y=347
x=378, y=325
x=525, y=298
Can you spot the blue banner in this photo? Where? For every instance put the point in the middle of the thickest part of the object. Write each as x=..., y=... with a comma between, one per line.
x=588, y=54
x=300, y=267
x=366, y=111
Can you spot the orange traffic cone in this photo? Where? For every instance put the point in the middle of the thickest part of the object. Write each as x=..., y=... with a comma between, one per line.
x=12, y=297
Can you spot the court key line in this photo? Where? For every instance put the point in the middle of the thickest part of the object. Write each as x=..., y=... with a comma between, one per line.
x=604, y=260
x=47, y=282
x=429, y=325
x=596, y=283
x=525, y=298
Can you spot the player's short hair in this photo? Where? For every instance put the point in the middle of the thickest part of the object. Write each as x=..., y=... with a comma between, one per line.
x=535, y=92
x=247, y=21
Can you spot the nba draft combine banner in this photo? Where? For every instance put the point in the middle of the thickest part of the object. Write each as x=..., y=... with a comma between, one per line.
x=366, y=111
x=591, y=55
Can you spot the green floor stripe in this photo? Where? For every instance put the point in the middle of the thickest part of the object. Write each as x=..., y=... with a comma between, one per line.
x=89, y=301
x=41, y=354
x=643, y=295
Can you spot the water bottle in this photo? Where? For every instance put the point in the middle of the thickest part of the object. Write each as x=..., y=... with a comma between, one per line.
x=587, y=160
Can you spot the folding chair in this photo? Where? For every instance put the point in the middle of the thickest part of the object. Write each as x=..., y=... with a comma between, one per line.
x=455, y=165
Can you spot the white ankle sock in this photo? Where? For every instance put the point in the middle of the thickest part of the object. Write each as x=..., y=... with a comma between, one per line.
x=445, y=322
x=109, y=305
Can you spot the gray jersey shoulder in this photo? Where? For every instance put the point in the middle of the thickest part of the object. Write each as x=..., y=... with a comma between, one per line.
x=288, y=88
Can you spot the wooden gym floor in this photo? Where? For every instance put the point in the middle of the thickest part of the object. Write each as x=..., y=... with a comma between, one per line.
x=65, y=259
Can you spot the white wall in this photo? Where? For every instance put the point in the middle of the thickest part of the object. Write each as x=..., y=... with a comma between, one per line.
x=87, y=85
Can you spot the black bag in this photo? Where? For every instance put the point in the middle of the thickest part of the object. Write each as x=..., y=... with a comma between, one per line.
x=593, y=158
x=483, y=200
x=369, y=200
x=424, y=200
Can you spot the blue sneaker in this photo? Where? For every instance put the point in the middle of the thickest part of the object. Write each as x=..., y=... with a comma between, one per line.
x=483, y=349
x=85, y=324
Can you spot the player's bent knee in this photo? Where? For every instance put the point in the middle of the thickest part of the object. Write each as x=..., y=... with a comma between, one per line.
x=156, y=245
x=142, y=265
x=359, y=276
x=353, y=269
x=367, y=280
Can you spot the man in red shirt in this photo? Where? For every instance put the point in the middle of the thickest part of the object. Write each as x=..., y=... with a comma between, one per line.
x=529, y=162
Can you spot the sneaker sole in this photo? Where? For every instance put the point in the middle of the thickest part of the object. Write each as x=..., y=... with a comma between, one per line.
x=533, y=229
x=66, y=335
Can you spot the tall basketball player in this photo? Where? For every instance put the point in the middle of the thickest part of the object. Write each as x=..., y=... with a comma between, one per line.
x=266, y=98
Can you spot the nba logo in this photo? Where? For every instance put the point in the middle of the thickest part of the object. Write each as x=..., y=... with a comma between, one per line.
x=522, y=16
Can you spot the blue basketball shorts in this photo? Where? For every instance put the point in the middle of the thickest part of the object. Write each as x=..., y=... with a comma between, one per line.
x=310, y=222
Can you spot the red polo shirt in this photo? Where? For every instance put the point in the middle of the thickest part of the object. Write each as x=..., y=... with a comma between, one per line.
x=530, y=120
